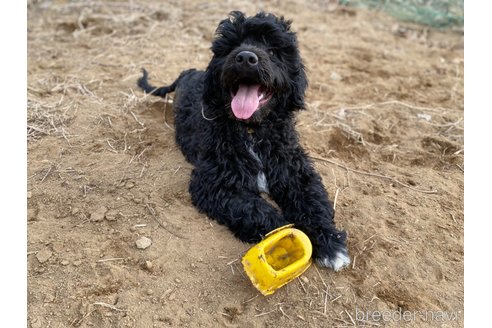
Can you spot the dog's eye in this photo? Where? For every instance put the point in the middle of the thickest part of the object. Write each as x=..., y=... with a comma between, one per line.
x=271, y=52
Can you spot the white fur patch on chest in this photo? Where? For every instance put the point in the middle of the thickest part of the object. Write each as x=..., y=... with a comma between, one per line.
x=260, y=178
x=262, y=182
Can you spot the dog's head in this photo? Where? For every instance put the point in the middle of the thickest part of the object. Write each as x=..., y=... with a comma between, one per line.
x=256, y=68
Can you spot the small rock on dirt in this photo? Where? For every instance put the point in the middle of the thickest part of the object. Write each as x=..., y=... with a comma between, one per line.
x=49, y=298
x=98, y=215
x=43, y=255
x=40, y=270
x=112, y=215
x=35, y=323
x=32, y=214
x=165, y=295
x=57, y=246
x=424, y=116
x=335, y=76
x=143, y=243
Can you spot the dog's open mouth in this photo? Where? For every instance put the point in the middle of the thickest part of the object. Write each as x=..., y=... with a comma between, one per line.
x=247, y=99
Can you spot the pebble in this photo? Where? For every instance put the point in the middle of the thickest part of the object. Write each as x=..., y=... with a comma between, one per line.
x=98, y=215
x=335, y=76
x=148, y=265
x=177, y=280
x=65, y=262
x=166, y=295
x=29, y=194
x=143, y=243
x=43, y=255
x=32, y=214
x=57, y=246
x=35, y=323
x=77, y=263
x=149, y=291
x=49, y=298
x=172, y=296
x=112, y=215
x=75, y=210
x=426, y=117
x=130, y=185
x=40, y=270
x=305, y=280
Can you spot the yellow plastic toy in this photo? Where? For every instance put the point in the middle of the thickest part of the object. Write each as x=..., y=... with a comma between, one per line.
x=283, y=255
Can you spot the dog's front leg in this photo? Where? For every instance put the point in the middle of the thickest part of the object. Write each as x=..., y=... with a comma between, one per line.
x=244, y=212
x=297, y=189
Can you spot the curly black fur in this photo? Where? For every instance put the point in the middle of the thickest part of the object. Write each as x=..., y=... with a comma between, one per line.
x=238, y=155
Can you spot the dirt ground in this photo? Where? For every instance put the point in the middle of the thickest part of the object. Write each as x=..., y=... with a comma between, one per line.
x=384, y=128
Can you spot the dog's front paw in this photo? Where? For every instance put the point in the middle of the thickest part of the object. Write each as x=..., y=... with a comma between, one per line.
x=336, y=261
x=331, y=251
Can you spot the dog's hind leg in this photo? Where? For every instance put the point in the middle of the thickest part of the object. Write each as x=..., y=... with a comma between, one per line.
x=244, y=212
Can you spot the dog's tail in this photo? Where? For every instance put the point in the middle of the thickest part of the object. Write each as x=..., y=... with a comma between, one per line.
x=143, y=83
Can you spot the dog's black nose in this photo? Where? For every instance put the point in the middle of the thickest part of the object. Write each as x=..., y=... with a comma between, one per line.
x=247, y=58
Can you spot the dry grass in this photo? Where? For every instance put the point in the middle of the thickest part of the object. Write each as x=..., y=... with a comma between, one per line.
x=44, y=119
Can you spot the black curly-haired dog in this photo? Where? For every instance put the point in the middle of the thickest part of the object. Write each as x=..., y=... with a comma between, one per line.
x=235, y=124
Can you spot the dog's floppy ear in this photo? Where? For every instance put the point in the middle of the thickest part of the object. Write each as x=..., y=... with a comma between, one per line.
x=211, y=87
x=298, y=79
x=298, y=87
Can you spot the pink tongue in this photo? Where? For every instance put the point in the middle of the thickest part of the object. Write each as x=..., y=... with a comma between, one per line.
x=246, y=101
